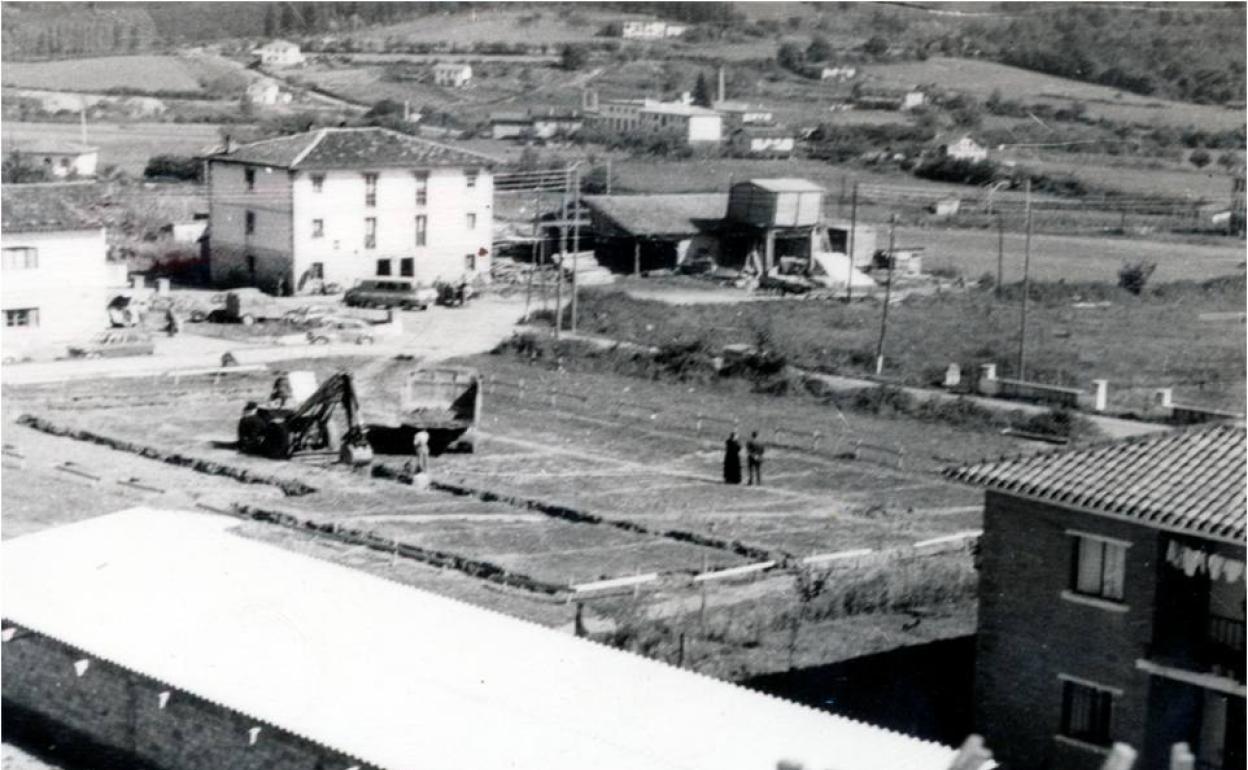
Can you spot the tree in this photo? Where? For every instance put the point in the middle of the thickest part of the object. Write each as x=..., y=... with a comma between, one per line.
x=1134, y=275
x=702, y=91
x=18, y=170
x=183, y=167
x=1199, y=157
x=819, y=49
x=791, y=57
x=574, y=56
x=877, y=46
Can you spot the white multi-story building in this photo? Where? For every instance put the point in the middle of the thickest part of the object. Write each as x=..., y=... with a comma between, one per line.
x=698, y=125
x=280, y=53
x=341, y=204
x=55, y=274
x=452, y=74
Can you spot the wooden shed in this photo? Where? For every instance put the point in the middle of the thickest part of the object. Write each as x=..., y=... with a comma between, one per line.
x=770, y=203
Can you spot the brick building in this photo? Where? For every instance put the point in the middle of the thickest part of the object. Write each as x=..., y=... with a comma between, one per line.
x=1112, y=601
x=167, y=640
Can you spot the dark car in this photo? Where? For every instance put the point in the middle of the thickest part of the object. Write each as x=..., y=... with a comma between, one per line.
x=390, y=293
x=114, y=344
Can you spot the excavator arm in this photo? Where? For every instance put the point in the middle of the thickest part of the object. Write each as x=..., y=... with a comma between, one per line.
x=307, y=426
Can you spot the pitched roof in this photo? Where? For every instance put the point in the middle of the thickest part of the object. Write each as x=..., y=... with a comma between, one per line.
x=654, y=215
x=1186, y=480
x=786, y=184
x=45, y=208
x=678, y=108
x=394, y=677
x=329, y=148
x=55, y=148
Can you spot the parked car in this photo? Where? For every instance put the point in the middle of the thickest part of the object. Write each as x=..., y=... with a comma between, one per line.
x=390, y=293
x=115, y=343
x=351, y=330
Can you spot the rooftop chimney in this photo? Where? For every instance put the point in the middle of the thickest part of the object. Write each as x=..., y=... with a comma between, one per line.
x=230, y=144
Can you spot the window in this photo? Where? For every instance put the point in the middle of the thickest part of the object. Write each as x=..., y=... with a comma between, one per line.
x=318, y=182
x=1086, y=712
x=250, y=222
x=470, y=263
x=251, y=266
x=26, y=316
x=422, y=188
x=383, y=267
x=1098, y=567
x=249, y=176
x=370, y=233
x=407, y=267
x=471, y=176
x=21, y=258
x=422, y=230
x=370, y=189
x=318, y=228
x=472, y=221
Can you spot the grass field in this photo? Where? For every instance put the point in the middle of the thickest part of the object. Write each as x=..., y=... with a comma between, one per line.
x=143, y=73
x=1172, y=180
x=1137, y=343
x=499, y=26
x=982, y=77
x=128, y=145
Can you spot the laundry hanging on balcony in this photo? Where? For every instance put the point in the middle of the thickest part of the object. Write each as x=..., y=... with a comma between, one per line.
x=1194, y=561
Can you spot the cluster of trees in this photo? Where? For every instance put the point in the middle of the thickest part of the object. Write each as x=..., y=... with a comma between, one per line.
x=44, y=33
x=983, y=172
x=661, y=143
x=16, y=169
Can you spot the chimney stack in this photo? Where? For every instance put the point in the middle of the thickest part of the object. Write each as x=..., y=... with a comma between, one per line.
x=722, y=90
x=230, y=145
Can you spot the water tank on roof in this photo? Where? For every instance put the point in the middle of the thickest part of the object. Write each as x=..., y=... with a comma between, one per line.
x=776, y=203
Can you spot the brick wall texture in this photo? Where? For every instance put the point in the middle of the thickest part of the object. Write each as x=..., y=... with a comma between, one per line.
x=111, y=713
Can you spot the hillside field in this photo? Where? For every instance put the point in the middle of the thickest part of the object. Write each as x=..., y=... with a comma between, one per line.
x=128, y=145
x=141, y=73
x=981, y=78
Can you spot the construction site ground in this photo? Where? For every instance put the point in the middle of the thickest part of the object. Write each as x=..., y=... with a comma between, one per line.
x=577, y=478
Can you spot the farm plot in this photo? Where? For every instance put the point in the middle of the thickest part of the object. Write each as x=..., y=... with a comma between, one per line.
x=143, y=73
x=126, y=145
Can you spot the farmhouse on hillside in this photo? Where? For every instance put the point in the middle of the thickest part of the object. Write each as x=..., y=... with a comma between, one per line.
x=961, y=147
x=55, y=269
x=267, y=93
x=169, y=640
x=279, y=53
x=61, y=159
x=1112, y=601
x=695, y=125
x=763, y=142
x=839, y=73
x=527, y=125
x=650, y=30
x=889, y=99
x=336, y=205
x=738, y=114
x=452, y=74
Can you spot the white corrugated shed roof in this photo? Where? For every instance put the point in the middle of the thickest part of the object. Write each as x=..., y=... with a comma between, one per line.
x=393, y=676
x=786, y=184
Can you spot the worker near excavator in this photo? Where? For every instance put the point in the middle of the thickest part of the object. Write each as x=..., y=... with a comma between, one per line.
x=420, y=447
x=281, y=390
x=754, y=459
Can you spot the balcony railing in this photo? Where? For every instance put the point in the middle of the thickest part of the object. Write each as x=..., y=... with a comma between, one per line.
x=1224, y=638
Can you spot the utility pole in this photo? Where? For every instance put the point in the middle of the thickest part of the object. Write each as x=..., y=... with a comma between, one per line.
x=528, y=291
x=608, y=176
x=1000, y=252
x=853, y=229
x=1022, y=332
x=888, y=293
x=576, y=237
x=563, y=253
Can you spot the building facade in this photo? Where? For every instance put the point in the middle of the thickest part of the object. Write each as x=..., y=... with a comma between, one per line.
x=1112, y=602
x=650, y=30
x=452, y=74
x=55, y=274
x=268, y=93
x=697, y=125
x=279, y=53
x=340, y=205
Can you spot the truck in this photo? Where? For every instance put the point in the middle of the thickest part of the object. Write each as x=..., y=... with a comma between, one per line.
x=280, y=433
x=445, y=402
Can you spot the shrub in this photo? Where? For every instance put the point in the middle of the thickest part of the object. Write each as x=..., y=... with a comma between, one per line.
x=180, y=167
x=1134, y=275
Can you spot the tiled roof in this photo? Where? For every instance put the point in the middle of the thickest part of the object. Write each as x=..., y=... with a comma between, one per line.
x=330, y=148
x=652, y=215
x=394, y=677
x=1186, y=480
x=45, y=208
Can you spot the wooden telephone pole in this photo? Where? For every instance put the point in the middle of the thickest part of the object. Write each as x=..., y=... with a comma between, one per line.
x=888, y=292
x=1022, y=332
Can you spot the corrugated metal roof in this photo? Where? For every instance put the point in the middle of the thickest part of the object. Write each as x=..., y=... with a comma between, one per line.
x=785, y=184
x=656, y=215
x=46, y=207
x=330, y=148
x=393, y=676
x=1187, y=480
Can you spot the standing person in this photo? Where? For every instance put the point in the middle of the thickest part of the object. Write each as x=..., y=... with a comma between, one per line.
x=281, y=390
x=421, y=450
x=175, y=323
x=732, y=459
x=754, y=459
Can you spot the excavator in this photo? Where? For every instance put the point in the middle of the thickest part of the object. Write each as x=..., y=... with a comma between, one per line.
x=280, y=433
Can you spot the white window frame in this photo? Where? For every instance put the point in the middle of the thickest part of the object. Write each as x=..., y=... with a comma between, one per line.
x=370, y=232
x=29, y=318
x=1108, y=569
x=318, y=228
x=20, y=258
x=422, y=230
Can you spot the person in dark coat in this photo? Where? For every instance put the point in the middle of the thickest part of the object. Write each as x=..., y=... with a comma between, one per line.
x=754, y=459
x=732, y=459
x=281, y=390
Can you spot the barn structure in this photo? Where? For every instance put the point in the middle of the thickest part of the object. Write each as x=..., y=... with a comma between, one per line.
x=167, y=640
x=639, y=233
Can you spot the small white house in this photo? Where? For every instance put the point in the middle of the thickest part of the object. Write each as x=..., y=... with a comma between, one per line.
x=650, y=30
x=763, y=142
x=280, y=53
x=964, y=148
x=742, y=114
x=838, y=73
x=452, y=74
x=62, y=160
x=268, y=93
x=55, y=274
